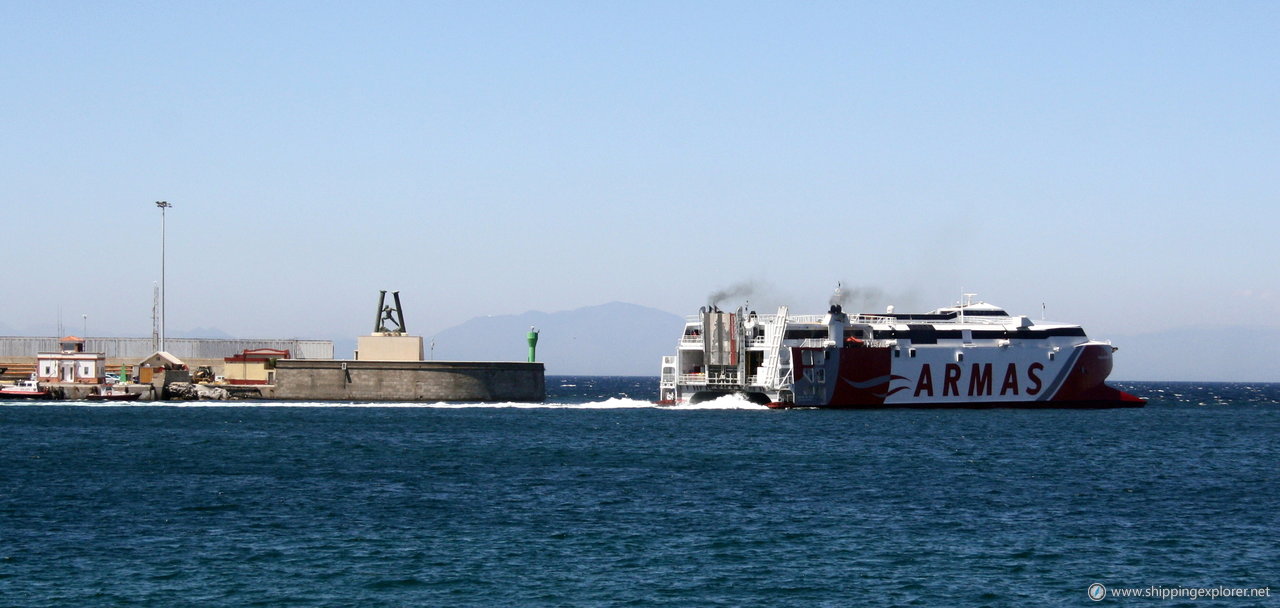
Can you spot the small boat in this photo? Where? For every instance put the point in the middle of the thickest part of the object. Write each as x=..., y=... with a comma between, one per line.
x=25, y=389
x=113, y=393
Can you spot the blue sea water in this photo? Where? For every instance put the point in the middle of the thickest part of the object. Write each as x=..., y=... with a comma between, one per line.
x=598, y=499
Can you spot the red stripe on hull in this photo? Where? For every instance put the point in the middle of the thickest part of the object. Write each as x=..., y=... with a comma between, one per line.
x=1086, y=382
x=1127, y=401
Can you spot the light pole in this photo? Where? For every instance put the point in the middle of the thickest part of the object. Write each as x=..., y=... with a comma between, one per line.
x=85, y=333
x=163, y=205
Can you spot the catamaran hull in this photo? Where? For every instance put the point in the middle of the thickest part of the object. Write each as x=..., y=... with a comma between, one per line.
x=1127, y=401
x=932, y=360
x=979, y=378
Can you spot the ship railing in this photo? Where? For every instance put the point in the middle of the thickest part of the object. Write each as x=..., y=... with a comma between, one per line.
x=761, y=380
x=693, y=379
x=822, y=319
x=729, y=379
x=697, y=341
x=809, y=343
x=879, y=320
x=822, y=342
x=780, y=382
x=771, y=382
x=972, y=320
x=806, y=319
x=724, y=380
x=768, y=318
x=873, y=320
x=765, y=381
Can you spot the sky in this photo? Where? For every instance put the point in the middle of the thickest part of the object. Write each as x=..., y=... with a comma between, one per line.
x=1115, y=164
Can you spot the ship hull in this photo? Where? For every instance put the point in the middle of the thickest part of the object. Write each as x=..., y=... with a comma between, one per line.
x=1126, y=401
x=963, y=378
x=6, y=395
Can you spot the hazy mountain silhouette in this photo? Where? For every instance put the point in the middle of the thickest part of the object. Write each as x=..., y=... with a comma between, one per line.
x=614, y=339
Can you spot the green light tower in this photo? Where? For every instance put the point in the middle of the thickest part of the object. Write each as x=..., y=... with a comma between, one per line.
x=533, y=344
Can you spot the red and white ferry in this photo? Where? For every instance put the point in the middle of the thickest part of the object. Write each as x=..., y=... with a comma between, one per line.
x=972, y=354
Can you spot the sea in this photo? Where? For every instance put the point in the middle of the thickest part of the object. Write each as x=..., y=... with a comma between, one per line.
x=598, y=498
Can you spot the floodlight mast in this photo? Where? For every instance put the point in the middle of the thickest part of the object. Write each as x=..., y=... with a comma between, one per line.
x=163, y=205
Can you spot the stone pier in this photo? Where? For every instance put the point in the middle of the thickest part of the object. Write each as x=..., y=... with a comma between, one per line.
x=413, y=381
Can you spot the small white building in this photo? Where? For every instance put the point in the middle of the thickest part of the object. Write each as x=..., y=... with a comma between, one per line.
x=72, y=364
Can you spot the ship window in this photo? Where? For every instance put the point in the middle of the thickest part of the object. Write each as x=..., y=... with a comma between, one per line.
x=959, y=356
x=924, y=334
x=897, y=352
x=806, y=334
x=912, y=353
x=1051, y=356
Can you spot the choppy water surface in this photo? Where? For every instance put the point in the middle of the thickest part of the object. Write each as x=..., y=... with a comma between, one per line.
x=599, y=499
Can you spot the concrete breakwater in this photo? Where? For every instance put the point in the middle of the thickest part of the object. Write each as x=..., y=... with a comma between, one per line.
x=358, y=380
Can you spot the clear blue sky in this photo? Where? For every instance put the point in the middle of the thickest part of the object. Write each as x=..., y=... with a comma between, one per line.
x=1117, y=161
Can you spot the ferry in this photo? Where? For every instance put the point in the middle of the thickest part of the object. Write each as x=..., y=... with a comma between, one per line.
x=972, y=354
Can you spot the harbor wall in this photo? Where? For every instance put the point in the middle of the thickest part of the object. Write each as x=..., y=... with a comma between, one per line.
x=136, y=349
x=350, y=380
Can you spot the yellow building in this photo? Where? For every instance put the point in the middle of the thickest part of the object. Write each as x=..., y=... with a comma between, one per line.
x=254, y=366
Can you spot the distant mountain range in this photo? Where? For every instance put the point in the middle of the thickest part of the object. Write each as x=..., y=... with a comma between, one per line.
x=614, y=339
x=619, y=339
x=626, y=339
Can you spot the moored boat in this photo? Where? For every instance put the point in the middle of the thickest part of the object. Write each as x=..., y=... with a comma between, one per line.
x=972, y=354
x=113, y=393
x=25, y=389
